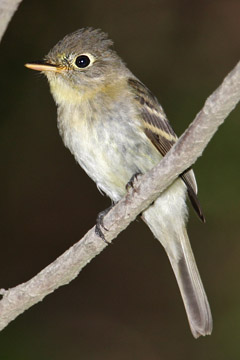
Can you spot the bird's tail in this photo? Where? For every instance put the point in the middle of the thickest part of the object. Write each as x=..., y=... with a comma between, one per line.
x=173, y=236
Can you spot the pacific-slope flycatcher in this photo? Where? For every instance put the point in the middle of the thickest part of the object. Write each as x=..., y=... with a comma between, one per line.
x=115, y=128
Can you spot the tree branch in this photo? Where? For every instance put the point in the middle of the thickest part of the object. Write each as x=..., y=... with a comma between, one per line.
x=183, y=154
x=7, y=9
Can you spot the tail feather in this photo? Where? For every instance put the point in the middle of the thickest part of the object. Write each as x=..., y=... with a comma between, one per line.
x=171, y=232
x=192, y=290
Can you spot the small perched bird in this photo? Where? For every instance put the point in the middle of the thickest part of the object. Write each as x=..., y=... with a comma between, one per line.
x=116, y=128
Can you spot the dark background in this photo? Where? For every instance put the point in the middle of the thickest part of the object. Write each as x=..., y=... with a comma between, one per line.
x=125, y=304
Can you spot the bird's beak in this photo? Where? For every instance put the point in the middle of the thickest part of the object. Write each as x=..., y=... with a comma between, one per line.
x=43, y=66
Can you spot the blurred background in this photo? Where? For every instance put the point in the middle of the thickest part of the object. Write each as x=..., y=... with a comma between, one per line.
x=125, y=304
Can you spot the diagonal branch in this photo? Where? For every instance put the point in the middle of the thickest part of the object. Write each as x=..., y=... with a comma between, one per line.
x=7, y=10
x=183, y=154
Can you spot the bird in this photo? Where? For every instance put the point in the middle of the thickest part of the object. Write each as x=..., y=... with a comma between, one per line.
x=116, y=128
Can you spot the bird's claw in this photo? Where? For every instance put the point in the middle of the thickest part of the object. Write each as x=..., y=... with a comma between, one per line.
x=100, y=224
x=130, y=183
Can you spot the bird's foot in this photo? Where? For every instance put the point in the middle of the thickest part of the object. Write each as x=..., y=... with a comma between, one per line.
x=130, y=183
x=100, y=224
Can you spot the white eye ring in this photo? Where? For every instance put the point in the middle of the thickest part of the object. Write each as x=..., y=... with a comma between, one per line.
x=84, y=60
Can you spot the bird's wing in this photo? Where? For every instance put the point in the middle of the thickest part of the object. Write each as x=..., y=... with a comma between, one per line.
x=159, y=131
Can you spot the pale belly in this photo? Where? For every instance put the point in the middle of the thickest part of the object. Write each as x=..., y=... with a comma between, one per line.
x=110, y=152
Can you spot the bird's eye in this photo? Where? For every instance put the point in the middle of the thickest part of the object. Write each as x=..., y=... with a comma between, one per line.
x=82, y=61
